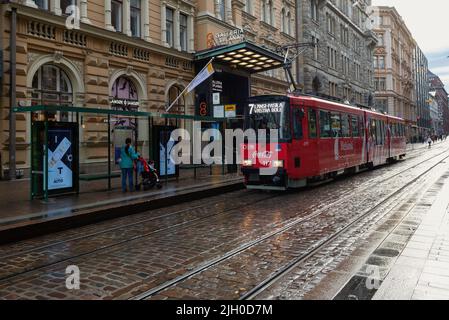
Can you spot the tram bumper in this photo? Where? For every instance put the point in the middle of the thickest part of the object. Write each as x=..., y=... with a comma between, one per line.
x=255, y=180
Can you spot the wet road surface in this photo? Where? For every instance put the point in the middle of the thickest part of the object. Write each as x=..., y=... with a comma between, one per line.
x=243, y=244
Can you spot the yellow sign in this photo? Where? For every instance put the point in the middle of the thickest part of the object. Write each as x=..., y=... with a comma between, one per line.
x=230, y=110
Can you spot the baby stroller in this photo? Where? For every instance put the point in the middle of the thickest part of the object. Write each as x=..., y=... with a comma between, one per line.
x=147, y=174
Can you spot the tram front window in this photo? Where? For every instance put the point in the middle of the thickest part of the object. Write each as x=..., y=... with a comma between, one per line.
x=270, y=116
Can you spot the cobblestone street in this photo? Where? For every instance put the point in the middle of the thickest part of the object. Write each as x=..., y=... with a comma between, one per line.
x=319, y=242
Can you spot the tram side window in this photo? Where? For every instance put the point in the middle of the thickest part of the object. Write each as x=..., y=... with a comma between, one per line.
x=298, y=115
x=312, y=124
x=355, y=126
x=325, y=124
x=379, y=132
x=362, y=126
x=345, y=129
x=373, y=130
x=336, y=124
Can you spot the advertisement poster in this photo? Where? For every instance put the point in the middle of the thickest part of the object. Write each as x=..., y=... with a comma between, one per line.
x=60, y=159
x=165, y=147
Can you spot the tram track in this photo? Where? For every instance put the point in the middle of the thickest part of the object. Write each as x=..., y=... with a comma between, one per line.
x=127, y=225
x=289, y=225
x=127, y=240
x=283, y=271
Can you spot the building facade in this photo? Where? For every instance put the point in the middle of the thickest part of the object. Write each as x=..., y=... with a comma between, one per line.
x=136, y=55
x=440, y=95
x=424, y=119
x=340, y=65
x=395, y=67
x=436, y=115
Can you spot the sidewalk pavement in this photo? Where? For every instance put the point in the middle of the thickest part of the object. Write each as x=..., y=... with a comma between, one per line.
x=421, y=272
x=22, y=218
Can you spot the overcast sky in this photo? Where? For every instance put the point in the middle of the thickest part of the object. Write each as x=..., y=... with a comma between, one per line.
x=428, y=21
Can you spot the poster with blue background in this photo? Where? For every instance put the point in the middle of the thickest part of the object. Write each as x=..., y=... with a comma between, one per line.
x=60, y=159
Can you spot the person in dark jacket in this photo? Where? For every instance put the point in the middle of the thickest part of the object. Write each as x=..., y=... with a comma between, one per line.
x=127, y=157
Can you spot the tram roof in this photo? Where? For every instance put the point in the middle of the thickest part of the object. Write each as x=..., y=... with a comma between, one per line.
x=354, y=108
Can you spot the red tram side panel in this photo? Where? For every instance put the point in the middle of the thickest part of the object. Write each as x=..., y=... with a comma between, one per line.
x=320, y=140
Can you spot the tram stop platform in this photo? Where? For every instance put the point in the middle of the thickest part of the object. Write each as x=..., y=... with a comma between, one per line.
x=22, y=218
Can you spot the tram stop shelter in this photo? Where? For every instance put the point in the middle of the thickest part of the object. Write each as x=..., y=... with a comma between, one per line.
x=55, y=145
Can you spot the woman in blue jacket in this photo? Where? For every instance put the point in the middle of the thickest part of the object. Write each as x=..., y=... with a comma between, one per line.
x=127, y=156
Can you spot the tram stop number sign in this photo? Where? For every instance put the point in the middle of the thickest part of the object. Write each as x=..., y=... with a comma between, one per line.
x=203, y=109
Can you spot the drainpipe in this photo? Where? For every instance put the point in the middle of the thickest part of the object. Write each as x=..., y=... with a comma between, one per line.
x=12, y=92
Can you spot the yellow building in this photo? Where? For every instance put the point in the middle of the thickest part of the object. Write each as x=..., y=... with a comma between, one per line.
x=130, y=55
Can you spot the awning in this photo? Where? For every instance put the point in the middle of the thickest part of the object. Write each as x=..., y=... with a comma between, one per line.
x=245, y=56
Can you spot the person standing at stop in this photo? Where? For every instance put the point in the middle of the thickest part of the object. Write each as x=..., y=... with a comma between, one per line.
x=127, y=157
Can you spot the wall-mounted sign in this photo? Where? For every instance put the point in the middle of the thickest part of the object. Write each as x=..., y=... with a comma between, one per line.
x=216, y=98
x=227, y=37
x=224, y=38
x=124, y=102
x=219, y=112
x=217, y=86
x=230, y=111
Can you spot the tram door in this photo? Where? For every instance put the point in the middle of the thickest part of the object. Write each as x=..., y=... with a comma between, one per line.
x=298, y=121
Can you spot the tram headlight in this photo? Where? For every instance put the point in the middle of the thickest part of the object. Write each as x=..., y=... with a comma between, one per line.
x=247, y=163
x=278, y=163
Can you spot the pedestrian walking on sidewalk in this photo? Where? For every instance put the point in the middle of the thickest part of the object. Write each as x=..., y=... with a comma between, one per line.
x=429, y=141
x=127, y=157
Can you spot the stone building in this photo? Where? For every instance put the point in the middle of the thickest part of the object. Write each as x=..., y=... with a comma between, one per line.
x=395, y=67
x=440, y=95
x=340, y=65
x=129, y=55
x=424, y=119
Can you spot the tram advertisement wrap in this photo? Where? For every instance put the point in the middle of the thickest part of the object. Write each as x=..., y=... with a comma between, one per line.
x=60, y=159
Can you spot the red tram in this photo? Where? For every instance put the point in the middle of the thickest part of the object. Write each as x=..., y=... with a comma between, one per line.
x=318, y=139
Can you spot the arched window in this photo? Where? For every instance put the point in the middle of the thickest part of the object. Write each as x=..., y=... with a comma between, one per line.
x=180, y=106
x=288, y=23
x=52, y=86
x=125, y=98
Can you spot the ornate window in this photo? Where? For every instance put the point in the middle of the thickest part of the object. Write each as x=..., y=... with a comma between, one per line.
x=314, y=10
x=124, y=97
x=65, y=4
x=249, y=6
x=221, y=8
x=117, y=15
x=136, y=18
x=170, y=27
x=183, y=31
x=180, y=106
x=51, y=86
x=42, y=4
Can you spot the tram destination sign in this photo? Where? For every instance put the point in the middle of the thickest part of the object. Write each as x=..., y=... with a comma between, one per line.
x=272, y=107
